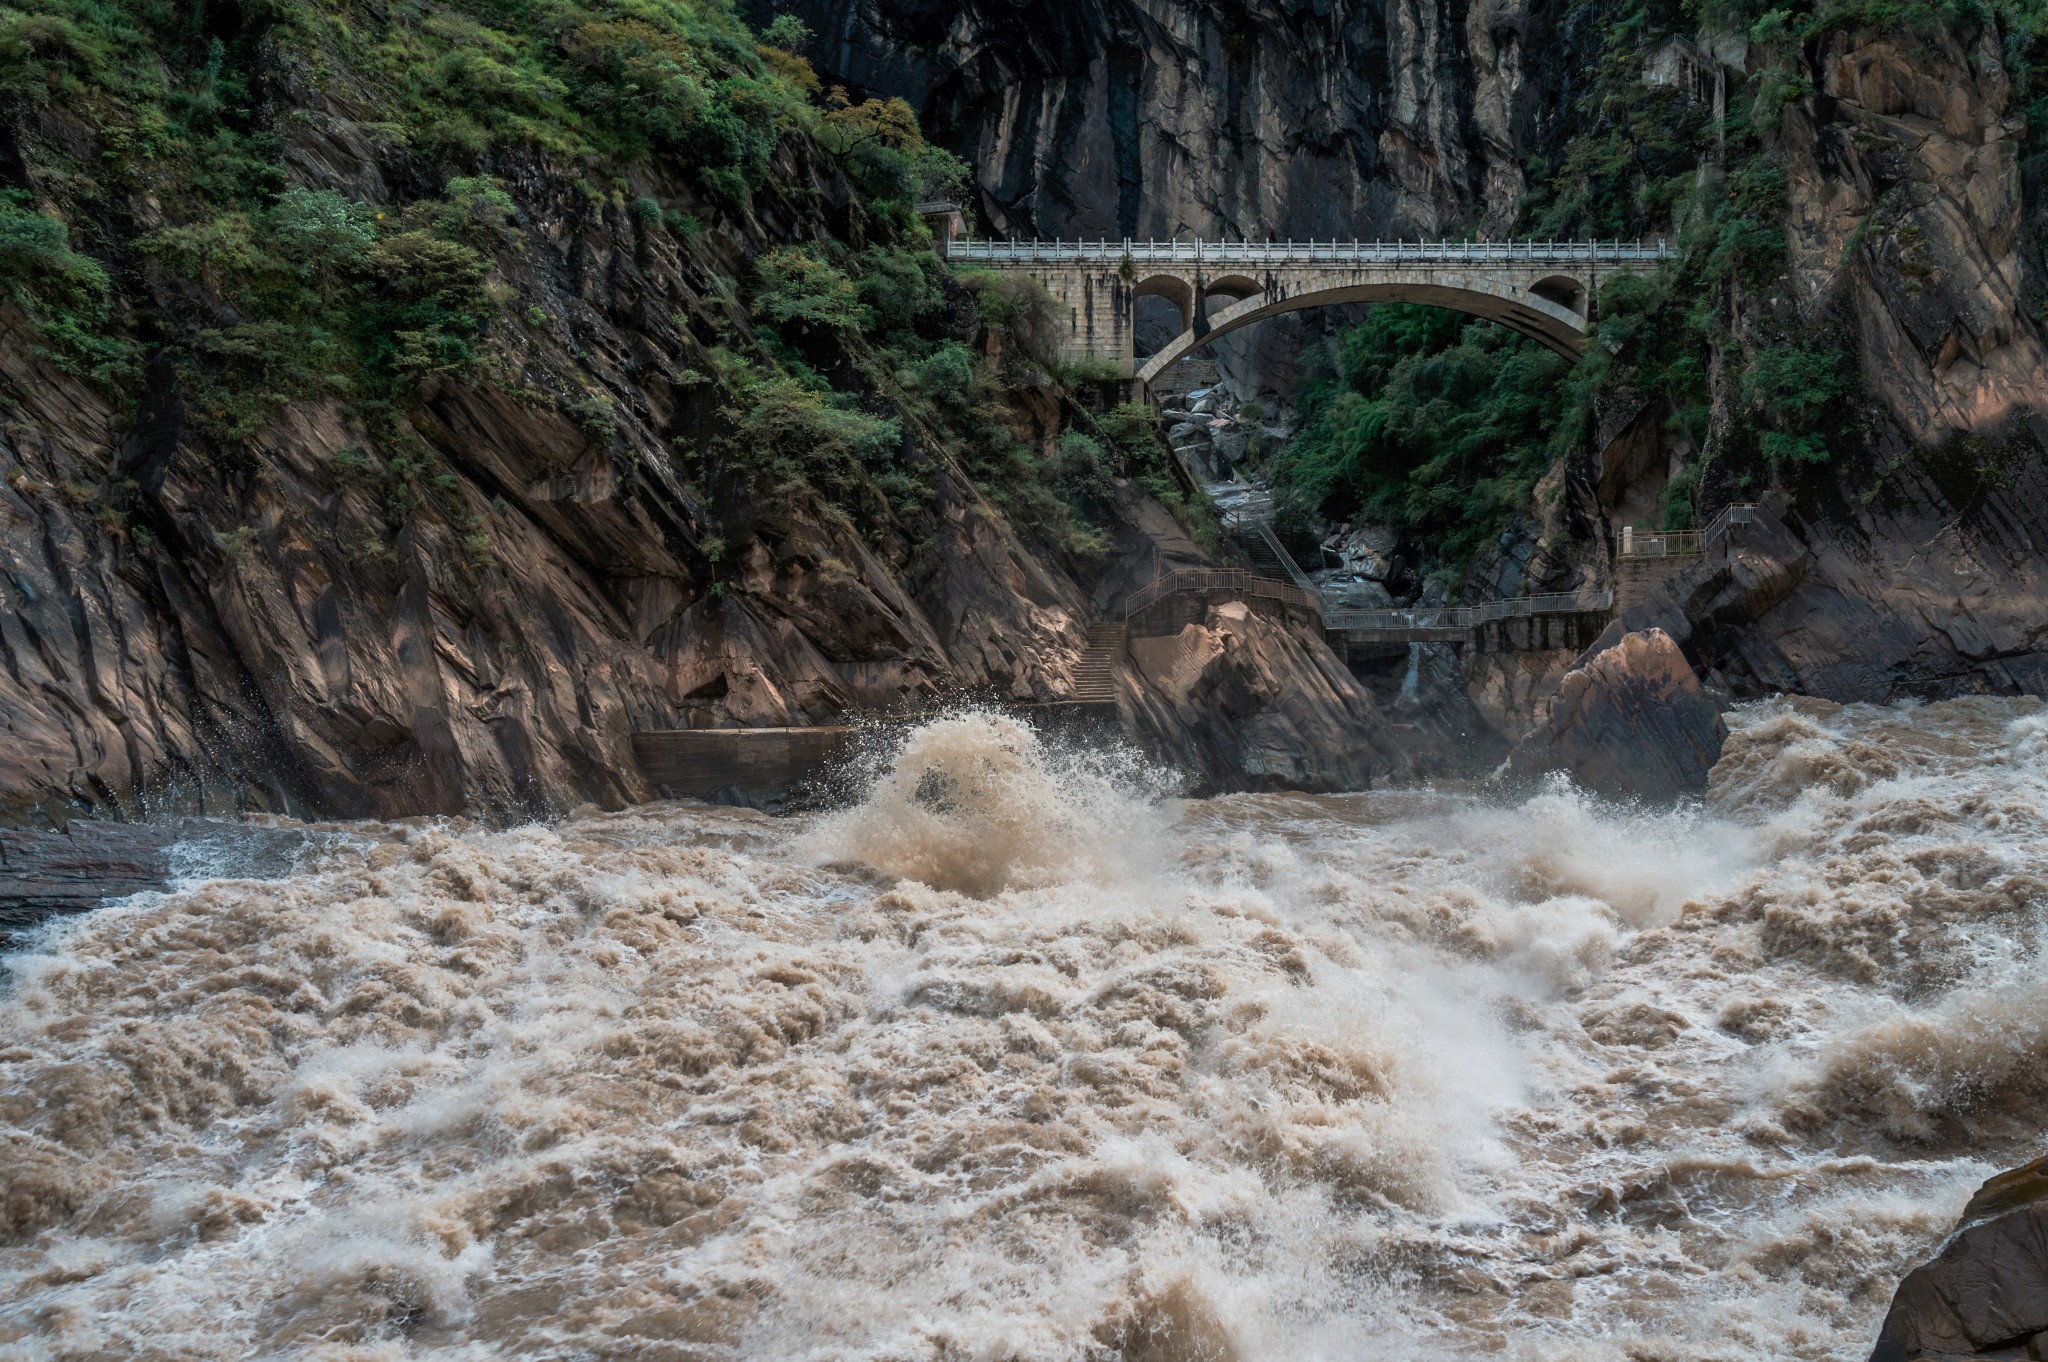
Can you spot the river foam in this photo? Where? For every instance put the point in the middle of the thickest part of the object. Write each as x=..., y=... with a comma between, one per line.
x=1017, y=1058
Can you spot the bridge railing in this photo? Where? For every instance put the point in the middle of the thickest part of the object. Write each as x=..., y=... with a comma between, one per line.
x=1681, y=543
x=1454, y=618
x=1234, y=580
x=1106, y=251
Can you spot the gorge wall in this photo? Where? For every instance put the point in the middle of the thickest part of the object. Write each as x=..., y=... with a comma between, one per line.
x=1904, y=184
x=1150, y=118
x=416, y=474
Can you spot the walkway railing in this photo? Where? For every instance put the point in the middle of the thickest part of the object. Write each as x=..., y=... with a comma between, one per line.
x=1456, y=618
x=1220, y=579
x=1679, y=543
x=1279, y=550
x=1106, y=251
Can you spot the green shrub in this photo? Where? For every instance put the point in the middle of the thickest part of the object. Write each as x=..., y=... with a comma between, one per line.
x=67, y=296
x=1791, y=385
x=945, y=377
x=795, y=285
x=339, y=302
x=1083, y=466
x=901, y=288
x=787, y=32
x=1781, y=447
x=880, y=148
x=1084, y=369
x=1030, y=320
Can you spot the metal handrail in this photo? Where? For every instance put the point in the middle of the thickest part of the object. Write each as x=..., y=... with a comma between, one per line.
x=1294, y=572
x=1198, y=252
x=1219, y=579
x=1456, y=617
x=1681, y=543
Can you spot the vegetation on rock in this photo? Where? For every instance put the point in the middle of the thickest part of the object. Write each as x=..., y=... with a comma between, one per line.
x=155, y=212
x=1438, y=427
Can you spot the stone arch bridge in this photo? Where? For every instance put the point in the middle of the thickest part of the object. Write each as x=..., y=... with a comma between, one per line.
x=1543, y=289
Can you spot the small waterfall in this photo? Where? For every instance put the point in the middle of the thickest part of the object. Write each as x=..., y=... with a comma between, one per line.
x=1411, y=680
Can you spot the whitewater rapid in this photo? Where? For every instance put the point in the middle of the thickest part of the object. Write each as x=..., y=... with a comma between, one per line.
x=1020, y=1058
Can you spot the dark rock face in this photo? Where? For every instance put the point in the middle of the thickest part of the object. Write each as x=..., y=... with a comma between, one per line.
x=56, y=872
x=1985, y=1295
x=1262, y=703
x=1926, y=593
x=1918, y=594
x=1630, y=721
x=1144, y=118
x=89, y=862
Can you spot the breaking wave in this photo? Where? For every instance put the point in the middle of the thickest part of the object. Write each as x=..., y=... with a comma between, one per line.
x=1020, y=1058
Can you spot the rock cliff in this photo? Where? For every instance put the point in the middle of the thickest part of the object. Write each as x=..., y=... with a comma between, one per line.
x=1147, y=118
x=632, y=507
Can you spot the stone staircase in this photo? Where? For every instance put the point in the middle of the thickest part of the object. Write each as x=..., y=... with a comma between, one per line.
x=1095, y=672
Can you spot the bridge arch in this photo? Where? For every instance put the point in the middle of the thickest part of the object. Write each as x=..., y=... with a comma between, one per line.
x=1542, y=289
x=1564, y=290
x=1232, y=286
x=1552, y=312
x=1174, y=289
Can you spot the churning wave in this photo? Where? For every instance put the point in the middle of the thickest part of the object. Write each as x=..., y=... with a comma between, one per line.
x=1019, y=1058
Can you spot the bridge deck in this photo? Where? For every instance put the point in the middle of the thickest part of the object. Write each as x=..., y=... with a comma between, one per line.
x=1260, y=253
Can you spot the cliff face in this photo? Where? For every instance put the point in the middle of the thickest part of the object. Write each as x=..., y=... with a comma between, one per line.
x=467, y=595
x=1904, y=172
x=1147, y=118
x=472, y=608
x=1922, y=545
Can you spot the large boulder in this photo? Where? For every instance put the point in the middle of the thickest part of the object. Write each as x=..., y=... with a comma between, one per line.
x=1631, y=720
x=1366, y=552
x=1245, y=700
x=1985, y=1295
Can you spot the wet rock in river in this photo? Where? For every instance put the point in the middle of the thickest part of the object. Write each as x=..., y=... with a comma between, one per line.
x=1630, y=720
x=1985, y=1295
x=44, y=873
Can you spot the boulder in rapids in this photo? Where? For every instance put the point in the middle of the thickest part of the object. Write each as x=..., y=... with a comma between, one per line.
x=84, y=864
x=1630, y=720
x=1985, y=1295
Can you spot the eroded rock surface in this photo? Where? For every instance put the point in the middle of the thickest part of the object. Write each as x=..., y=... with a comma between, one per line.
x=1263, y=704
x=1630, y=721
x=471, y=604
x=1985, y=1295
x=1327, y=120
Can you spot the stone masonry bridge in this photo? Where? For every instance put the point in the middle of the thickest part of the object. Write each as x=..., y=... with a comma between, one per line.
x=1543, y=289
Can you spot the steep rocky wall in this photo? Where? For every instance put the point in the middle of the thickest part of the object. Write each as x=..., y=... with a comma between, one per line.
x=1907, y=204
x=258, y=618
x=470, y=602
x=1148, y=118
